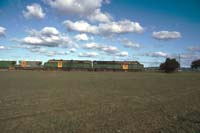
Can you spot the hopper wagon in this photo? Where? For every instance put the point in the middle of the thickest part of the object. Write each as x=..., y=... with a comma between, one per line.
x=29, y=65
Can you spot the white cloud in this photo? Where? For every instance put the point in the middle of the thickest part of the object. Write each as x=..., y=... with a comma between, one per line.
x=107, y=49
x=36, y=49
x=110, y=49
x=34, y=11
x=194, y=48
x=81, y=26
x=2, y=47
x=82, y=37
x=158, y=54
x=32, y=40
x=104, y=48
x=78, y=7
x=166, y=35
x=48, y=36
x=122, y=54
x=90, y=9
x=129, y=44
x=42, y=50
x=189, y=56
x=45, y=51
x=97, y=15
x=88, y=54
x=26, y=46
x=53, y=53
x=92, y=45
x=123, y=26
x=2, y=31
x=161, y=54
x=120, y=27
x=107, y=1
x=72, y=50
x=50, y=31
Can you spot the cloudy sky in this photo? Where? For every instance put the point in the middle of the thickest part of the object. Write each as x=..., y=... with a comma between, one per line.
x=143, y=30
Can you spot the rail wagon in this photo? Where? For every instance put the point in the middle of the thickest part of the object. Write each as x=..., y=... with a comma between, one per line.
x=29, y=65
x=7, y=65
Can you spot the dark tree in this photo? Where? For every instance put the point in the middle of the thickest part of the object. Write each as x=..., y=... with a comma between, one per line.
x=170, y=65
x=162, y=66
x=195, y=64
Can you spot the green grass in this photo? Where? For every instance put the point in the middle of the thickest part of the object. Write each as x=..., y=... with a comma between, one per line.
x=99, y=102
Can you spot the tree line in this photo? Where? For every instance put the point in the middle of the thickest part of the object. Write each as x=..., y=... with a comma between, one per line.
x=172, y=65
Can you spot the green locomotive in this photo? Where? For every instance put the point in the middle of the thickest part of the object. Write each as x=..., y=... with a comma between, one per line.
x=7, y=64
x=117, y=66
x=68, y=65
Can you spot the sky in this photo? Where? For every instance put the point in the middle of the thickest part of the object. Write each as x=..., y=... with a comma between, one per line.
x=148, y=31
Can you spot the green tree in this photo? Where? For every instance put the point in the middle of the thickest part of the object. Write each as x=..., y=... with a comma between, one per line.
x=195, y=64
x=170, y=65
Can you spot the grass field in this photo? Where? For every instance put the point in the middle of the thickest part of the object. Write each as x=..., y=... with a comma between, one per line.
x=99, y=102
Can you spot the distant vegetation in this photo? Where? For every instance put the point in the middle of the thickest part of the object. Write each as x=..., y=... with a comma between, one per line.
x=170, y=65
x=195, y=64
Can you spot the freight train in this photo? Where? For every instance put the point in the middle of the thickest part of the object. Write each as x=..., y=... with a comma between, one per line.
x=68, y=65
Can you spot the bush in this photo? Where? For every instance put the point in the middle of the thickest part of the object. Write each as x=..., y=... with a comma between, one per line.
x=170, y=65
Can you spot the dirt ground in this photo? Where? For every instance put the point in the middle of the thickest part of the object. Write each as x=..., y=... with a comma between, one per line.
x=99, y=102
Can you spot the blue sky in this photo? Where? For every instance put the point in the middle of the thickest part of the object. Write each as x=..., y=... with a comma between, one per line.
x=145, y=30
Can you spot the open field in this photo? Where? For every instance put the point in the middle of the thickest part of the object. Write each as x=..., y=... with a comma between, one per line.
x=101, y=102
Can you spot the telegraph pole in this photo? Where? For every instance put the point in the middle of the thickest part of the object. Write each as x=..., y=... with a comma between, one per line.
x=179, y=60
